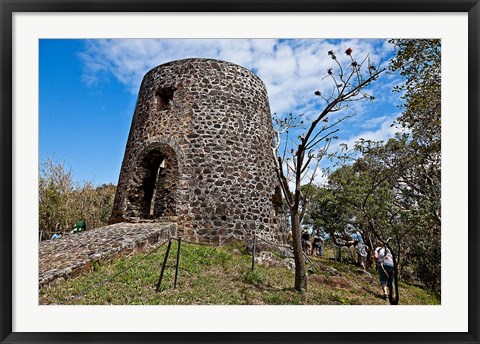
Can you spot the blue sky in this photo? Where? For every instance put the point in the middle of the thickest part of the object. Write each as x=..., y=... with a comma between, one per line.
x=88, y=90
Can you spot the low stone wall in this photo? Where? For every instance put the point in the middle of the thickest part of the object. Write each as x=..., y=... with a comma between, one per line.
x=74, y=253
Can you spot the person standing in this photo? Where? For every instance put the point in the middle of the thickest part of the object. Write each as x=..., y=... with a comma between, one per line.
x=362, y=253
x=385, y=267
x=307, y=247
x=290, y=239
x=361, y=249
x=318, y=244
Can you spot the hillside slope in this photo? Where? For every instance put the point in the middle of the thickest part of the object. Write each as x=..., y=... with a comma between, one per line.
x=221, y=276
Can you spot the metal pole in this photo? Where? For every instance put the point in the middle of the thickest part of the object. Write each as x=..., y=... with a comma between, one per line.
x=253, y=252
x=178, y=263
x=307, y=257
x=163, y=265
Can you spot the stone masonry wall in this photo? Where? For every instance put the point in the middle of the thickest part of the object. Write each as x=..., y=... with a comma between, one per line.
x=200, y=149
x=74, y=254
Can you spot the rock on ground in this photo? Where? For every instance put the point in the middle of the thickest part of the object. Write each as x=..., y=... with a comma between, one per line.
x=269, y=259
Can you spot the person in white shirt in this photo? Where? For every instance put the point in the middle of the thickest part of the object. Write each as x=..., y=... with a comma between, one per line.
x=385, y=267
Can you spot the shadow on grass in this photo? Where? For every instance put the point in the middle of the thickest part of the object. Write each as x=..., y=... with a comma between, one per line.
x=374, y=294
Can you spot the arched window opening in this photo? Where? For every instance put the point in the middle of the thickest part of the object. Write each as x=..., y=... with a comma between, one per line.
x=155, y=194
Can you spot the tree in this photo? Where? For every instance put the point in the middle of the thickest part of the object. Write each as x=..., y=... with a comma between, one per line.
x=331, y=211
x=366, y=192
x=391, y=190
x=297, y=159
x=419, y=61
x=55, y=188
x=62, y=202
x=374, y=193
x=326, y=210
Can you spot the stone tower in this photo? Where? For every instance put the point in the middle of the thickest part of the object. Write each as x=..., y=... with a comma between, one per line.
x=200, y=152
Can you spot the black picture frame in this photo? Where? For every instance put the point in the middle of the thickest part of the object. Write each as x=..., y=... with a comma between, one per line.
x=9, y=7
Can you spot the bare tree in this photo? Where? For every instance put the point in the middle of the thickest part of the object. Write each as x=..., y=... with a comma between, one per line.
x=301, y=142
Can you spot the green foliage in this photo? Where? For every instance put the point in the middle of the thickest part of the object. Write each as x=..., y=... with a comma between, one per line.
x=254, y=277
x=55, y=186
x=95, y=265
x=384, y=195
x=63, y=202
x=377, y=194
x=392, y=191
x=326, y=210
x=419, y=61
x=426, y=256
x=341, y=299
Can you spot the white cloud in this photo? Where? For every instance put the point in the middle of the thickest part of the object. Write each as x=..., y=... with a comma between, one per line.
x=373, y=122
x=319, y=179
x=291, y=69
x=384, y=131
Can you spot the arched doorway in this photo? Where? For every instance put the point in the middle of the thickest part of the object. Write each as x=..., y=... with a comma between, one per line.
x=156, y=179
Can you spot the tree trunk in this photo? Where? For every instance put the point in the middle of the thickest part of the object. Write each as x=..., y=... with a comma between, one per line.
x=393, y=286
x=393, y=283
x=300, y=270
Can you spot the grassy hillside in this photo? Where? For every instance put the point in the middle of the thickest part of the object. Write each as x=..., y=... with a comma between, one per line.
x=221, y=276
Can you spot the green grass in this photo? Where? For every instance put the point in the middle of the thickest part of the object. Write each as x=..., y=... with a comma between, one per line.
x=220, y=276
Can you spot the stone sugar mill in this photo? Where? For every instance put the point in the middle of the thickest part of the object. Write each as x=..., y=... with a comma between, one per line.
x=199, y=153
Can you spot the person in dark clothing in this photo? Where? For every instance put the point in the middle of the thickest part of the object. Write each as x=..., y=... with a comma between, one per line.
x=306, y=244
x=318, y=244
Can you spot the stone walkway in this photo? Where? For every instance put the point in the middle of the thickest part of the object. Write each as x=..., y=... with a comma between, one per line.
x=73, y=254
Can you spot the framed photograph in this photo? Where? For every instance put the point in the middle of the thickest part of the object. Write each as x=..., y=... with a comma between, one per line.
x=128, y=135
